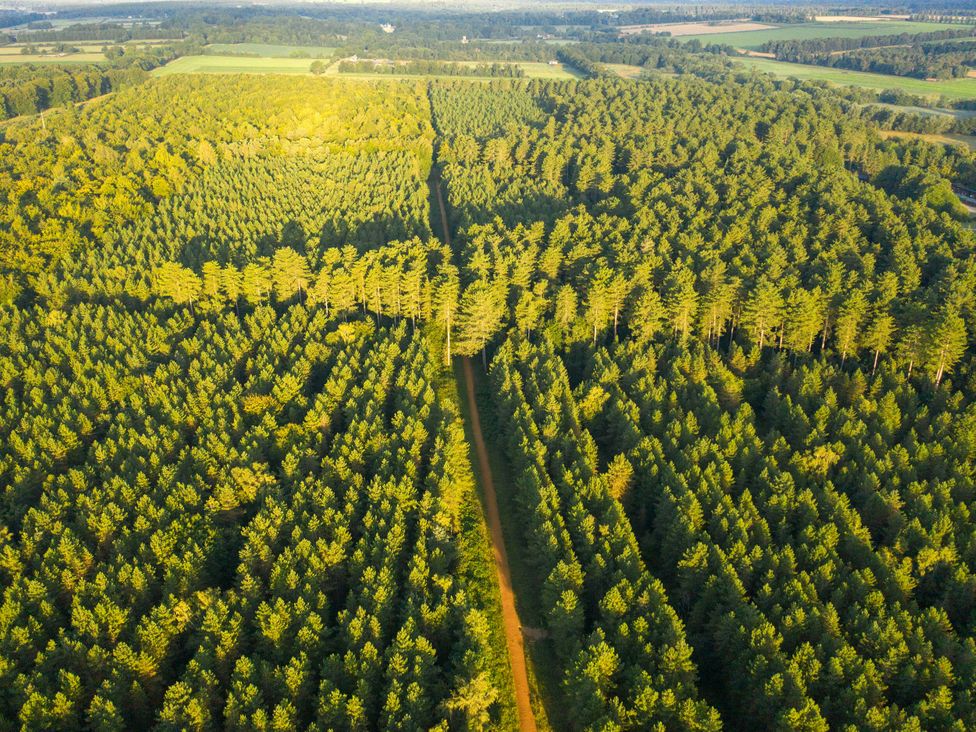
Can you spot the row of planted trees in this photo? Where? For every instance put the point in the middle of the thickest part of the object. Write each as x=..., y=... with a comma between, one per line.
x=626, y=213
x=414, y=281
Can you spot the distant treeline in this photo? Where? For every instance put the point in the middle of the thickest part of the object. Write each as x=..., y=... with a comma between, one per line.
x=432, y=68
x=939, y=61
x=890, y=118
x=403, y=48
x=10, y=18
x=32, y=88
x=660, y=53
x=781, y=15
x=578, y=60
x=99, y=32
x=657, y=52
x=807, y=51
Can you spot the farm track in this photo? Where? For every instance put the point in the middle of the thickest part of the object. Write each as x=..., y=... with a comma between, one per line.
x=513, y=627
x=514, y=639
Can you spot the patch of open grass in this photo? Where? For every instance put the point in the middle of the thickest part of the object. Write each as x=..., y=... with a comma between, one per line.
x=625, y=71
x=542, y=70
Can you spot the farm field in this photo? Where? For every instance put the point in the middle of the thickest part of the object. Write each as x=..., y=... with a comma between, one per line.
x=540, y=70
x=952, y=88
x=270, y=50
x=752, y=40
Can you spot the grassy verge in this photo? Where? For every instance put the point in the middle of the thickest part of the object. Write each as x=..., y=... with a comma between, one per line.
x=543, y=669
x=477, y=567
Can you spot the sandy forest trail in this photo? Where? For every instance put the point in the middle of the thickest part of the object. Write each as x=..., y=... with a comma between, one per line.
x=513, y=627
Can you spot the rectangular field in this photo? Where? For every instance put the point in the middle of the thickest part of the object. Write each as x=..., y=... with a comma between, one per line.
x=952, y=88
x=541, y=70
x=751, y=40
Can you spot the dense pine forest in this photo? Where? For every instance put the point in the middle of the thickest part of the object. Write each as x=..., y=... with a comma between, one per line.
x=721, y=336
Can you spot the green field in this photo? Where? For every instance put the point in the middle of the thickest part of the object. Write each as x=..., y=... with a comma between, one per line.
x=952, y=88
x=270, y=50
x=752, y=40
x=540, y=70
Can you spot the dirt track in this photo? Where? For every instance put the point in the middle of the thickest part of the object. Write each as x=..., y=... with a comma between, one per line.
x=513, y=628
x=510, y=620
